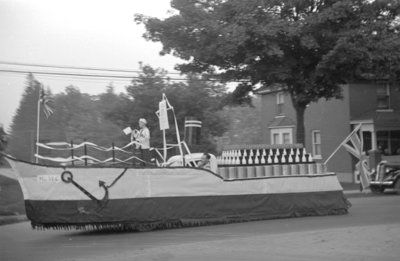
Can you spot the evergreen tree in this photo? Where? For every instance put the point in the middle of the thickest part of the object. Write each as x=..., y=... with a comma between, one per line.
x=24, y=124
x=3, y=143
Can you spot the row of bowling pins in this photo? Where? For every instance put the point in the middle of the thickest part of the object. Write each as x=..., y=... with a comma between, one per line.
x=262, y=152
x=243, y=172
x=269, y=159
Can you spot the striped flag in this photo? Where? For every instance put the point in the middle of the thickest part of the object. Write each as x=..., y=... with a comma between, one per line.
x=354, y=145
x=45, y=103
x=193, y=123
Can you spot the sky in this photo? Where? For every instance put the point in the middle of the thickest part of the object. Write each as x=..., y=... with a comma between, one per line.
x=78, y=33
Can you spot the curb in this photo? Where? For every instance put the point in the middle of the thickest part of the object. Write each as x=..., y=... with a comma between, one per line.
x=367, y=193
x=7, y=220
x=359, y=194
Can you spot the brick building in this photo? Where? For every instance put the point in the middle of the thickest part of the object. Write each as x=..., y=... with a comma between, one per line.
x=327, y=123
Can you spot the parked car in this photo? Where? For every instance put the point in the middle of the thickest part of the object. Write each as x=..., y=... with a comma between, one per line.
x=387, y=176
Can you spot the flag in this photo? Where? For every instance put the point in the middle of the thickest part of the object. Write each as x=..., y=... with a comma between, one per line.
x=354, y=145
x=45, y=103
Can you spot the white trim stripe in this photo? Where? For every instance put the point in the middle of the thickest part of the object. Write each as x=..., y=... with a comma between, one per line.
x=193, y=121
x=193, y=125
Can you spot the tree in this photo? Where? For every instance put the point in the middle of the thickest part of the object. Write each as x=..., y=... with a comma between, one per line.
x=100, y=118
x=3, y=143
x=196, y=97
x=23, y=127
x=310, y=47
x=201, y=99
x=112, y=106
x=77, y=116
x=244, y=123
x=3, y=139
x=370, y=47
x=84, y=117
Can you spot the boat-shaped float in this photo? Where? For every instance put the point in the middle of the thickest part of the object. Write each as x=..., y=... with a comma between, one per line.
x=245, y=183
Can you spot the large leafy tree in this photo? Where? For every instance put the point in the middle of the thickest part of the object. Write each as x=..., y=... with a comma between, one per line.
x=309, y=47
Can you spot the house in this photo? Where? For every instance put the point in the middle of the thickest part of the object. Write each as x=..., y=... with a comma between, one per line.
x=327, y=123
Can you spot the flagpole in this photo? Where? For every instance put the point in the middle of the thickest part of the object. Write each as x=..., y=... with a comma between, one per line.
x=344, y=141
x=178, y=138
x=37, y=127
x=360, y=159
x=364, y=179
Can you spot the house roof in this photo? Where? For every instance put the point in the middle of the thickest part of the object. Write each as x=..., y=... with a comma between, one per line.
x=281, y=121
x=381, y=119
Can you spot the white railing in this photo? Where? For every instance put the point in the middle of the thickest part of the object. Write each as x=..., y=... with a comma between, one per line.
x=86, y=159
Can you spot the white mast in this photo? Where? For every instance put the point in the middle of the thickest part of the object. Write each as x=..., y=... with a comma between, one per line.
x=162, y=113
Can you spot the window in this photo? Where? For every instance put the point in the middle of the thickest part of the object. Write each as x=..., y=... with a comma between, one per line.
x=281, y=136
x=367, y=141
x=383, y=96
x=388, y=142
x=279, y=103
x=275, y=139
x=286, y=138
x=316, y=143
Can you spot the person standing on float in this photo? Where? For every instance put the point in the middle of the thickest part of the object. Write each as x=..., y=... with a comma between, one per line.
x=142, y=137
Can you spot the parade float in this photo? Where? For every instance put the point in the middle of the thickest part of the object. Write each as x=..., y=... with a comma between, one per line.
x=244, y=183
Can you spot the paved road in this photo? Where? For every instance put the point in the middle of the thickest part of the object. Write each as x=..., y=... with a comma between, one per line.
x=371, y=231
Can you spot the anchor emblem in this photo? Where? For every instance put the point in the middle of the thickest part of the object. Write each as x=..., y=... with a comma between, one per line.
x=67, y=177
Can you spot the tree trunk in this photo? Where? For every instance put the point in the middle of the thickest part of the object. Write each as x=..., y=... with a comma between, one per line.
x=300, y=134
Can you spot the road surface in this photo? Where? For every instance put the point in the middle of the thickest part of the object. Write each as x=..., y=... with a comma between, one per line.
x=371, y=231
